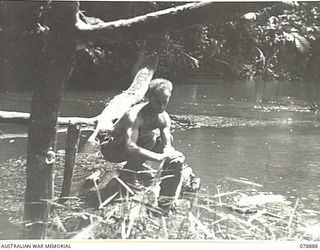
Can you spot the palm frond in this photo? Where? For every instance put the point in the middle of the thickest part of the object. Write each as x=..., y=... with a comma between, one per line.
x=177, y=52
x=301, y=43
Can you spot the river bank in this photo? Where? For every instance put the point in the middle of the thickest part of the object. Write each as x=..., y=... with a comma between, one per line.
x=247, y=213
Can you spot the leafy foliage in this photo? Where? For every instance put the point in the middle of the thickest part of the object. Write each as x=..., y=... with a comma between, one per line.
x=282, y=41
x=274, y=43
x=279, y=42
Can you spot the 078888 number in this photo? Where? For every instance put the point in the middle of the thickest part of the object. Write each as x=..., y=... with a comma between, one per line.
x=314, y=245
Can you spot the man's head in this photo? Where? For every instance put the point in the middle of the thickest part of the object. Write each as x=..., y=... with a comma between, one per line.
x=159, y=93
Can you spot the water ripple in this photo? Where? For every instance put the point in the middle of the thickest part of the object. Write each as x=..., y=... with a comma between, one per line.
x=196, y=121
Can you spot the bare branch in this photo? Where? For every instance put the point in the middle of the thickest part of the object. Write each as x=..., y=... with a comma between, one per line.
x=101, y=25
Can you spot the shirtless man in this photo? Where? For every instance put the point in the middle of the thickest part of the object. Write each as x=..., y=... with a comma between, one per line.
x=143, y=133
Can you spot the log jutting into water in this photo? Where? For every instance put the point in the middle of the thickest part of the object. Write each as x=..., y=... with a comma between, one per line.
x=120, y=104
x=23, y=119
x=114, y=110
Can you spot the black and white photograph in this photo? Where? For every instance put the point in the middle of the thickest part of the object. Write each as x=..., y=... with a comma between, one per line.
x=171, y=121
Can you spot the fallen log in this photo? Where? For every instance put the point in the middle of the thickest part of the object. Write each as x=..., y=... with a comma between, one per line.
x=120, y=104
x=14, y=117
x=23, y=119
x=5, y=136
x=114, y=110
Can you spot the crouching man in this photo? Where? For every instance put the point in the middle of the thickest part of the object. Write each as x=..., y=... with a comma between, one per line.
x=142, y=134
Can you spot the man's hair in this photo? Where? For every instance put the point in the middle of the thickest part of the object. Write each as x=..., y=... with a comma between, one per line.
x=159, y=85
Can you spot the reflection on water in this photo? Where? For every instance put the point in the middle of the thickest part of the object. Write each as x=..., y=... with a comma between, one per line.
x=282, y=161
x=272, y=138
x=269, y=132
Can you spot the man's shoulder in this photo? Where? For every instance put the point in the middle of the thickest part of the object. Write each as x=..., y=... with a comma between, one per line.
x=133, y=113
x=165, y=115
x=164, y=119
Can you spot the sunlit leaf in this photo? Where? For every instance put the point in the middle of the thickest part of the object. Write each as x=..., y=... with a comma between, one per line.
x=250, y=16
x=302, y=44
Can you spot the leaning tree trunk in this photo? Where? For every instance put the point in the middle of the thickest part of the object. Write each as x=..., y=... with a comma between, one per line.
x=55, y=62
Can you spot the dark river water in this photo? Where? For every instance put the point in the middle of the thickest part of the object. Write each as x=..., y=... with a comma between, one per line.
x=263, y=132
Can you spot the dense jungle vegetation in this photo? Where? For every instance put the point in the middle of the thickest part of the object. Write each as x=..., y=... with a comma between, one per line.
x=280, y=42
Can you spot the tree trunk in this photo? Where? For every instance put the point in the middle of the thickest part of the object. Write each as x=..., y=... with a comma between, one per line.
x=55, y=64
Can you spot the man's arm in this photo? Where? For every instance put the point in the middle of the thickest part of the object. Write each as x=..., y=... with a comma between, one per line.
x=169, y=152
x=166, y=134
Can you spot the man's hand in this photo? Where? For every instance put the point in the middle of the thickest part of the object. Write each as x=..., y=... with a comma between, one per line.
x=172, y=155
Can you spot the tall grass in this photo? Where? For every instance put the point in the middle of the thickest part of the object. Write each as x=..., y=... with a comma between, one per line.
x=235, y=210
x=201, y=215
